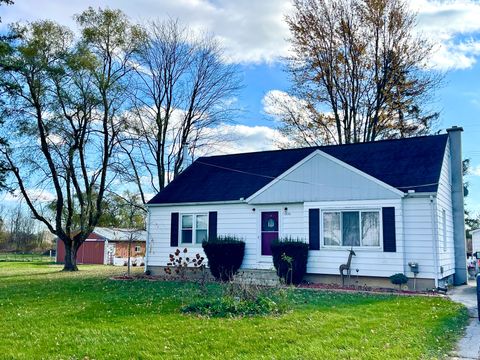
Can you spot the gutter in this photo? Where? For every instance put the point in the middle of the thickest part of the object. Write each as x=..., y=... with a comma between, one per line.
x=433, y=207
x=197, y=203
x=404, y=238
x=420, y=194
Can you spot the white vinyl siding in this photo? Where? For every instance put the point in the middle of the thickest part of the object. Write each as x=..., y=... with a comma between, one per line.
x=446, y=253
x=243, y=221
x=419, y=236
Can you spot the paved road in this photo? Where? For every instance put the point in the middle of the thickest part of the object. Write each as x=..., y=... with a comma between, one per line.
x=469, y=345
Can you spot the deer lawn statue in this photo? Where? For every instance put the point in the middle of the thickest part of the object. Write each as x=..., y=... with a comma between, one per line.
x=347, y=266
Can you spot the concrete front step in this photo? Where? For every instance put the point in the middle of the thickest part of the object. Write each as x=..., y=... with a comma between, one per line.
x=257, y=277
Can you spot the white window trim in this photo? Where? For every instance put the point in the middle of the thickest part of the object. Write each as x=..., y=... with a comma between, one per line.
x=139, y=249
x=361, y=247
x=194, y=229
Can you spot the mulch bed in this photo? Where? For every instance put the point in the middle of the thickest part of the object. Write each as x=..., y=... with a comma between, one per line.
x=309, y=286
x=126, y=277
x=364, y=289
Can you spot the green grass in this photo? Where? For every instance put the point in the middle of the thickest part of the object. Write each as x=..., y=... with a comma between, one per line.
x=47, y=314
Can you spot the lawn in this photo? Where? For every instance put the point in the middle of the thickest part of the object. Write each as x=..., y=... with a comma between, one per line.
x=47, y=314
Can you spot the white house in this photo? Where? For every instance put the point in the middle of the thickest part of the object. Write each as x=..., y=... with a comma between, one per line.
x=396, y=202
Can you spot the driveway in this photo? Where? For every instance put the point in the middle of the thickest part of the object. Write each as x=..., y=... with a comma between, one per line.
x=469, y=345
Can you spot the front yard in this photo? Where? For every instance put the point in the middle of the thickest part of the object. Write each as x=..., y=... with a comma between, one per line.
x=46, y=314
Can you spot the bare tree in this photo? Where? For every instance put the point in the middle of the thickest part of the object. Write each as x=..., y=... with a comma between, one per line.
x=359, y=68
x=64, y=98
x=184, y=89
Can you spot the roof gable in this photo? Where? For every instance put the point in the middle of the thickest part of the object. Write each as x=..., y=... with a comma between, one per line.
x=321, y=177
x=405, y=164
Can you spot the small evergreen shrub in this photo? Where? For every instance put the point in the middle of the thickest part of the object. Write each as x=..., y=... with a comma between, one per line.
x=290, y=259
x=398, y=279
x=225, y=256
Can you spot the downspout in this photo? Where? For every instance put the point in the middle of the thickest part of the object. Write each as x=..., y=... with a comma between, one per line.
x=404, y=238
x=433, y=207
x=105, y=253
x=147, y=245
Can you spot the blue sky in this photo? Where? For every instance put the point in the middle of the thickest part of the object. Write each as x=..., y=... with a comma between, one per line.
x=254, y=35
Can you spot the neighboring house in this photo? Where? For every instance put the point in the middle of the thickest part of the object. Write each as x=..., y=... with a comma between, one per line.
x=394, y=201
x=109, y=246
x=475, y=240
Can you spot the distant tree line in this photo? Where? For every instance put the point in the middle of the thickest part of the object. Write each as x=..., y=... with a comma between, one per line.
x=19, y=232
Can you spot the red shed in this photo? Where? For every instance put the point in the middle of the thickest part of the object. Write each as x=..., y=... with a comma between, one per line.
x=109, y=246
x=92, y=251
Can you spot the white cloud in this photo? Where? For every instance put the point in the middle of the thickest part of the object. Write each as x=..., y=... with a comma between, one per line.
x=255, y=31
x=244, y=138
x=475, y=170
x=36, y=195
x=277, y=103
x=454, y=27
x=251, y=31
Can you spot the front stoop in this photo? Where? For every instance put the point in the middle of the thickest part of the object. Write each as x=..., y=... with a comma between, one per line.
x=468, y=348
x=257, y=277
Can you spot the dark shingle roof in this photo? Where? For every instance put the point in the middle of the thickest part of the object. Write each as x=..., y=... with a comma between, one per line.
x=413, y=163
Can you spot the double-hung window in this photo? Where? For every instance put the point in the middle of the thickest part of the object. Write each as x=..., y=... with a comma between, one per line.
x=351, y=228
x=194, y=228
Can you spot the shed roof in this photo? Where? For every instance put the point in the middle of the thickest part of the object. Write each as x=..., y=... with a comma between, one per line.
x=406, y=164
x=120, y=234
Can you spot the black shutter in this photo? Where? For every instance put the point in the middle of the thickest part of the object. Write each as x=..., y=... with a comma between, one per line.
x=389, y=239
x=212, y=225
x=174, y=230
x=314, y=229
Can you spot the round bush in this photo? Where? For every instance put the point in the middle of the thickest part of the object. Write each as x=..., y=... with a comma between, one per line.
x=398, y=279
x=225, y=256
x=290, y=259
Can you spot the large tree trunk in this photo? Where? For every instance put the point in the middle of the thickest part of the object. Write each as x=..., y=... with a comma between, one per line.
x=70, y=257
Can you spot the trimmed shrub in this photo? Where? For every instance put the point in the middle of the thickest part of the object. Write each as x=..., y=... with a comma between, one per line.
x=290, y=259
x=225, y=256
x=398, y=279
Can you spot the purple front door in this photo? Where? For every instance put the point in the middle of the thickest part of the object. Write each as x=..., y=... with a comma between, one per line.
x=269, y=230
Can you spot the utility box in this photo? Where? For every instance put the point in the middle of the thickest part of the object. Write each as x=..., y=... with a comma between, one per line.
x=413, y=267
